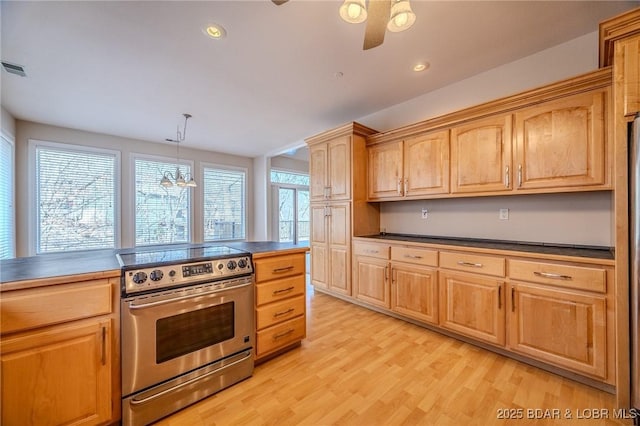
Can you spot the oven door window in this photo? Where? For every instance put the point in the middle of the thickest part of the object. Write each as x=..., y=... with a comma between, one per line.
x=191, y=331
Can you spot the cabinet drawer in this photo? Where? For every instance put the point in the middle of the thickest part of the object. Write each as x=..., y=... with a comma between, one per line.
x=380, y=251
x=279, y=289
x=279, y=311
x=415, y=255
x=281, y=335
x=279, y=266
x=561, y=275
x=38, y=307
x=477, y=263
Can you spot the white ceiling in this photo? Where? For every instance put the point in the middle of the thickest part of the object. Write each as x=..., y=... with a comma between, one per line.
x=131, y=68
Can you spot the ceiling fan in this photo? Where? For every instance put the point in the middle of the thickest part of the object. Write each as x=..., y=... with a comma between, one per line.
x=392, y=15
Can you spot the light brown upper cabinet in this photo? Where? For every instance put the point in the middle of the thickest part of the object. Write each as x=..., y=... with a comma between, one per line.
x=561, y=143
x=627, y=64
x=410, y=168
x=481, y=155
x=330, y=170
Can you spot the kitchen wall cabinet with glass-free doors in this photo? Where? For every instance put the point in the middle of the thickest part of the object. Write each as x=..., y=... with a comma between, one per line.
x=552, y=139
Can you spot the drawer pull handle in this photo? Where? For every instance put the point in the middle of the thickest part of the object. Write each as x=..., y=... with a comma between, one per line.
x=470, y=264
x=411, y=256
x=283, y=290
x=281, y=270
x=283, y=334
x=371, y=251
x=553, y=276
x=279, y=314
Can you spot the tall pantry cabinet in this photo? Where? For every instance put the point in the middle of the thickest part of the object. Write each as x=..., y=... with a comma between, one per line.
x=338, y=173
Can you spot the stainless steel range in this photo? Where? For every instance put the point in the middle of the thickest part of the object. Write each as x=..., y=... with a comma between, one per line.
x=187, y=327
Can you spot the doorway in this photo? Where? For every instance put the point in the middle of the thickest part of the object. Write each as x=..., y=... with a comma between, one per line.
x=291, y=204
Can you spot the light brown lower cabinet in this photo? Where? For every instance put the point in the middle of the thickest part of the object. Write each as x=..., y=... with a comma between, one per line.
x=60, y=354
x=61, y=375
x=473, y=305
x=563, y=327
x=371, y=280
x=414, y=292
x=280, y=302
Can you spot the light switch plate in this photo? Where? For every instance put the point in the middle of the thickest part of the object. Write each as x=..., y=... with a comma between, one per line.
x=504, y=214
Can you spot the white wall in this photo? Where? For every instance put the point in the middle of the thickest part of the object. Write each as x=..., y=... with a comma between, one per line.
x=579, y=218
x=282, y=162
x=582, y=218
x=127, y=147
x=560, y=62
x=7, y=123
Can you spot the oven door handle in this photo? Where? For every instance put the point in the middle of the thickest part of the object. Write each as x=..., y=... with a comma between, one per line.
x=188, y=382
x=189, y=296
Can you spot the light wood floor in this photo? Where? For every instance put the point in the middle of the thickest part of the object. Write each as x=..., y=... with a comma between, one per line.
x=358, y=367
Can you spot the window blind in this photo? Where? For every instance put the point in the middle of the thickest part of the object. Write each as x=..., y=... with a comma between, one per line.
x=76, y=199
x=163, y=215
x=224, y=204
x=7, y=227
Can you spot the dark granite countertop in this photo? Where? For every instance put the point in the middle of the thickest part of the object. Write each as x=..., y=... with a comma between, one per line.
x=595, y=252
x=96, y=261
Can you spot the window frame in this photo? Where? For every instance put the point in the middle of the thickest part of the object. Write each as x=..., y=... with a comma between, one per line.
x=33, y=215
x=132, y=188
x=12, y=146
x=217, y=166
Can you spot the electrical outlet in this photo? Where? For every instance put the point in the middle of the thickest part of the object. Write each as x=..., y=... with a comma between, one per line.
x=425, y=213
x=504, y=214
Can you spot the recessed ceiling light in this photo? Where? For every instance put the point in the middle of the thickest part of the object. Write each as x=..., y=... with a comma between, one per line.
x=421, y=67
x=215, y=31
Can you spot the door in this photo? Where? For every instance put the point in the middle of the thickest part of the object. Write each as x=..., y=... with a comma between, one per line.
x=426, y=164
x=292, y=213
x=339, y=168
x=318, y=175
x=319, y=246
x=473, y=305
x=481, y=156
x=414, y=292
x=61, y=375
x=385, y=170
x=566, y=328
x=561, y=143
x=372, y=280
x=339, y=232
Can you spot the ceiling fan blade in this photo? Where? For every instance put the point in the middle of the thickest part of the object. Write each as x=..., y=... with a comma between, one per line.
x=279, y=2
x=378, y=16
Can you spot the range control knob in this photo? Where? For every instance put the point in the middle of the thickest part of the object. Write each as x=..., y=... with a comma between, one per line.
x=172, y=273
x=156, y=275
x=231, y=265
x=242, y=263
x=220, y=266
x=139, y=277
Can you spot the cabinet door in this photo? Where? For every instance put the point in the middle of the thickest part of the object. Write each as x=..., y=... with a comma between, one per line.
x=473, y=305
x=627, y=69
x=340, y=248
x=414, y=292
x=371, y=280
x=426, y=164
x=61, y=375
x=339, y=169
x=481, y=156
x=319, y=246
x=562, y=327
x=562, y=143
x=385, y=170
x=318, y=177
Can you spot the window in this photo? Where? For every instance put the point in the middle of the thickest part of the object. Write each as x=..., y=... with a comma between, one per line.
x=224, y=204
x=280, y=176
x=76, y=197
x=163, y=215
x=7, y=233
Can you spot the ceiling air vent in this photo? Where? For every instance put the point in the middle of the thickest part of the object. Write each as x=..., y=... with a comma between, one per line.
x=14, y=69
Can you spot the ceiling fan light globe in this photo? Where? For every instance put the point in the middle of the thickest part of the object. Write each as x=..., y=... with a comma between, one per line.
x=402, y=17
x=353, y=11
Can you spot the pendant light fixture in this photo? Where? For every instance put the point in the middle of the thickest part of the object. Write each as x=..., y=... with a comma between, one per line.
x=402, y=17
x=181, y=179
